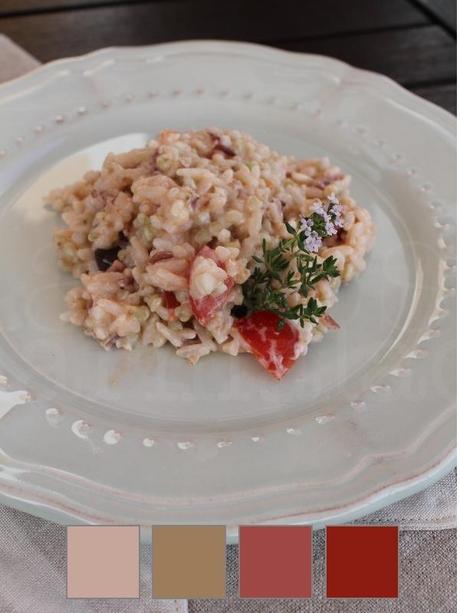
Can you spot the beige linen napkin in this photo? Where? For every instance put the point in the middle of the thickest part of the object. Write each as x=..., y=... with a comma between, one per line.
x=33, y=572
x=32, y=551
x=14, y=61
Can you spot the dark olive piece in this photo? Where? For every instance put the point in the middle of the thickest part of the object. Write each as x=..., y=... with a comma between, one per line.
x=106, y=257
x=239, y=311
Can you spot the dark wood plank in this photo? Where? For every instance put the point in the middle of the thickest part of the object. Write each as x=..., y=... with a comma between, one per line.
x=360, y=14
x=53, y=35
x=415, y=56
x=18, y=7
x=443, y=11
x=442, y=95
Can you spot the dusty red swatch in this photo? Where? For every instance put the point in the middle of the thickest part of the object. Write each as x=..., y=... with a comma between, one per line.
x=275, y=562
x=362, y=562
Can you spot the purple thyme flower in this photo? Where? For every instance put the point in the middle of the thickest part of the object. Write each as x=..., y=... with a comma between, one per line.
x=330, y=227
x=312, y=240
x=330, y=219
x=319, y=209
x=336, y=211
x=306, y=224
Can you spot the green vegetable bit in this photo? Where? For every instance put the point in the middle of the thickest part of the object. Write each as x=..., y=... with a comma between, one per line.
x=282, y=270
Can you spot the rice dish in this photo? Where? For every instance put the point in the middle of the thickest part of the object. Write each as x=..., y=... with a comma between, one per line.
x=165, y=242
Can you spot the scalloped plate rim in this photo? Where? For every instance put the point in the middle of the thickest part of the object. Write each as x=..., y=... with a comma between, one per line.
x=412, y=102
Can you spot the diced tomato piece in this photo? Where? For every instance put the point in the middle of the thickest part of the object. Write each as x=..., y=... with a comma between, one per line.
x=170, y=299
x=204, y=308
x=275, y=349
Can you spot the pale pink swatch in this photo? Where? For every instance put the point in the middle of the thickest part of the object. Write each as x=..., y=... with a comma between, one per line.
x=103, y=562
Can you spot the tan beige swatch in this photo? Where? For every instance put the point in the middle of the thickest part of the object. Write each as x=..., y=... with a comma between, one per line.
x=103, y=562
x=188, y=561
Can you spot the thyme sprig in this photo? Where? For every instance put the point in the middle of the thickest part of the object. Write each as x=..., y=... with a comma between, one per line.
x=282, y=270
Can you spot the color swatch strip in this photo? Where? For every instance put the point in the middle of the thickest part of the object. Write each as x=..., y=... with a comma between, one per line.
x=103, y=562
x=190, y=561
x=275, y=561
x=362, y=562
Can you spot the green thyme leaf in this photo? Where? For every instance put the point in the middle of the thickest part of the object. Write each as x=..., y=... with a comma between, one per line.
x=282, y=270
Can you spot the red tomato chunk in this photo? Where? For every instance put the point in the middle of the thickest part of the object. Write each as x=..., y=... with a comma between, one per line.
x=205, y=308
x=170, y=299
x=275, y=349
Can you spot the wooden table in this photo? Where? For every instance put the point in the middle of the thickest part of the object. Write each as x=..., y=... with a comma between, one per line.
x=411, y=41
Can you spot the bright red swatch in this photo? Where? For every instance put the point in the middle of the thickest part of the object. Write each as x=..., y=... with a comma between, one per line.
x=275, y=562
x=362, y=562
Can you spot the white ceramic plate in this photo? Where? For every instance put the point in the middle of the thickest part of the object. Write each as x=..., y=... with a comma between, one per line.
x=366, y=418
